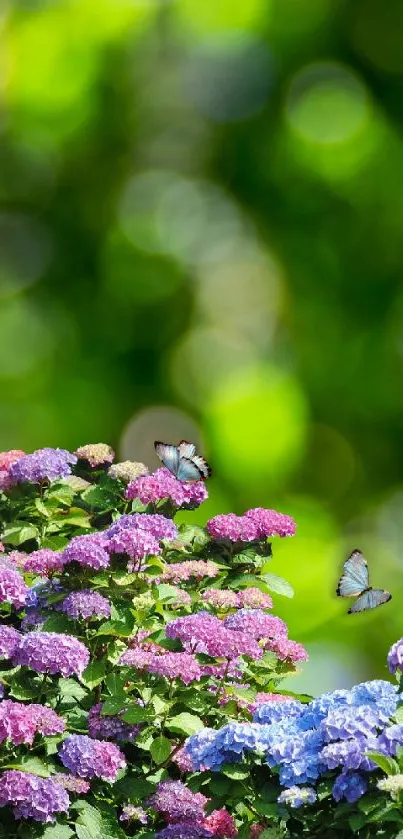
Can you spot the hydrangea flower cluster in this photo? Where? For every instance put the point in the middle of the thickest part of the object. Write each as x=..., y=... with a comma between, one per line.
x=97, y=454
x=88, y=550
x=43, y=465
x=205, y=633
x=251, y=598
x=110, y=727
x=44, y=562
x=51, y=652
x=12, y=586
x=176, y=802
x=190, y=569
x=254, y=525
x=20, y=723
x=6, y=460
x=158, y=526
x=135, y=542
x=31, y=797
x=85, y=604
x=161, y=485
x=89, y=758
x=127, y=471
x=305, y=741
x=10, y=640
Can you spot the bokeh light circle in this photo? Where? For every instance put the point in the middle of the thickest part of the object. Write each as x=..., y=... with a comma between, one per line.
x=25, y=251
x=327, y=104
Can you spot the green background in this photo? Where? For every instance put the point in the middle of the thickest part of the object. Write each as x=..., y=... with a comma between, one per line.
x=201, y=236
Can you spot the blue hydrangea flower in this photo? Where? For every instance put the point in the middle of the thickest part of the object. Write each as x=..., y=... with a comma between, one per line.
x=390, y=738
x=343, y=723
x=381, y=696
x=350, y=786
x=278, y=711
x=349, y=754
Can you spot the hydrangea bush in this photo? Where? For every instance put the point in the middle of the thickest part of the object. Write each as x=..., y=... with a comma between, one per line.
x=141, y=669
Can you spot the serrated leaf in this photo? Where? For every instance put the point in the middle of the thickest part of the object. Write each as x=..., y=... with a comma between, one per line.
x=113, y=706
x=115, y=684
x=57, y=831
x=387, y=764
x=58, y=623
x=136, y=714
x=167, y=592
x=30, y=764
x=42, y=509
x=160, y=749
x=19, y=534
x=277, y=584
x=235, y=772
x=77, y=517
x=94, y=674
x=69, y=689
x=185, y=724
x=99, y=497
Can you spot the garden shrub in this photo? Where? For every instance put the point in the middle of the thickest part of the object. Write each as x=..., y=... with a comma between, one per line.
x=141, y=667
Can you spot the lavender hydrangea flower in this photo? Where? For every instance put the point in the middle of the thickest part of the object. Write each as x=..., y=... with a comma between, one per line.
x=19, y=723
x=350, y=754
x=232, y=527
x=343, y=723
x=44, y=464
x=10, y=640
x=184, y=830
x=349, y=785
x=33, y=619
x=110, y=727
x=391, y=737
x=205, y=633
x=271, y=523
x=44, y=562
x=32, y=797
x=297, y=796
x=395, y=657
x=127, y=471
x=51, y=652
x=86, y=604
x=257, y=623
x=134, y=542
x=183, y=666
x=90, y=758
x=161, y=484
x=158, y=526
x=88, y=550
x=71, y=783
x=176, y=802
x=97, y=454
x=12, y=586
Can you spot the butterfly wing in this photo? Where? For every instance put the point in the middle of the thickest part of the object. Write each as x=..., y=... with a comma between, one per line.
x=188, y=471
x=202, y=465
x=370, y=599
x=354, y=580
x=186, y=449
x=169, y=455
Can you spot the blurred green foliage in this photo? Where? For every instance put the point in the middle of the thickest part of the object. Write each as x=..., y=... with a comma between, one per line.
x=201, y=234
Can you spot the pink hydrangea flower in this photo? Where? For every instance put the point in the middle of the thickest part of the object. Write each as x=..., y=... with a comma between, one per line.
x=90, y=758
x=271, y=523
x=253, y=598
x=20, y=723
x=97, y=454
x=221, y=824
x=12, y=586
x=286, y=649
x=162, y=484
x=221, y=598
x=265, y=698
x=232, y=527
x=182, y=571
x=52, y=652
x=134, y=542
x=88, y=550
x=10, y=640
x=43, y=562
x=32, y=797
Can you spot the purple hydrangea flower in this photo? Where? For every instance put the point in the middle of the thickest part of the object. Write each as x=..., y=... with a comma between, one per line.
x=349, y=785
x=158, y=526
x=32, y=797
x=88, y=550
x=184, y=830
x=10, y=640
x=86, y=604
x=297, y=796
x=395, y=657
x=71, y=783
x=161, y=484
x=284, y=649
x=12, y=586
x=390, y=738
x=134, y=542
x=183, y=666
x=257, y=624
x=51, y=652
x=205, y=633
x=33, y=618
x=96, y=454
x=110, y=727
x=44, y=562
x=176, y=802
x=271, y=523
x=20, y=723
x=130, y=813
x=90, y=758
x=43, y=464
x=232, y=527
x=343, y=723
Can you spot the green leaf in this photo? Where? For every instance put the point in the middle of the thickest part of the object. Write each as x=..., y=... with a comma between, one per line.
x=277, y=584
x=57, y=831
x=23, y=686
x=160, y=749
x=136, y=714
x=70, y=690
x=61, y=492
x=94, y=674
x=398, y=715
x=122, y=626
x=134, y=789
x=77, y=517
x=185, y=724
x=167, y=592
x=42, y=508
x=99, y=497
x=58, y=623
x=387, y=764
x=112, y=706
x=235, y=772
x=115, y=684
x=30, y=764
x=19, y=534
x=99, y=823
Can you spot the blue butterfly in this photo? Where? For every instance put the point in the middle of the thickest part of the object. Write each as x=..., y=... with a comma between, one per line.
x=183, y=461
x=355, y=583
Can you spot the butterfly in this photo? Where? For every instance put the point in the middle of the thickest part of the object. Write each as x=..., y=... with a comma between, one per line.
x=355, y=583
x=183, y=461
